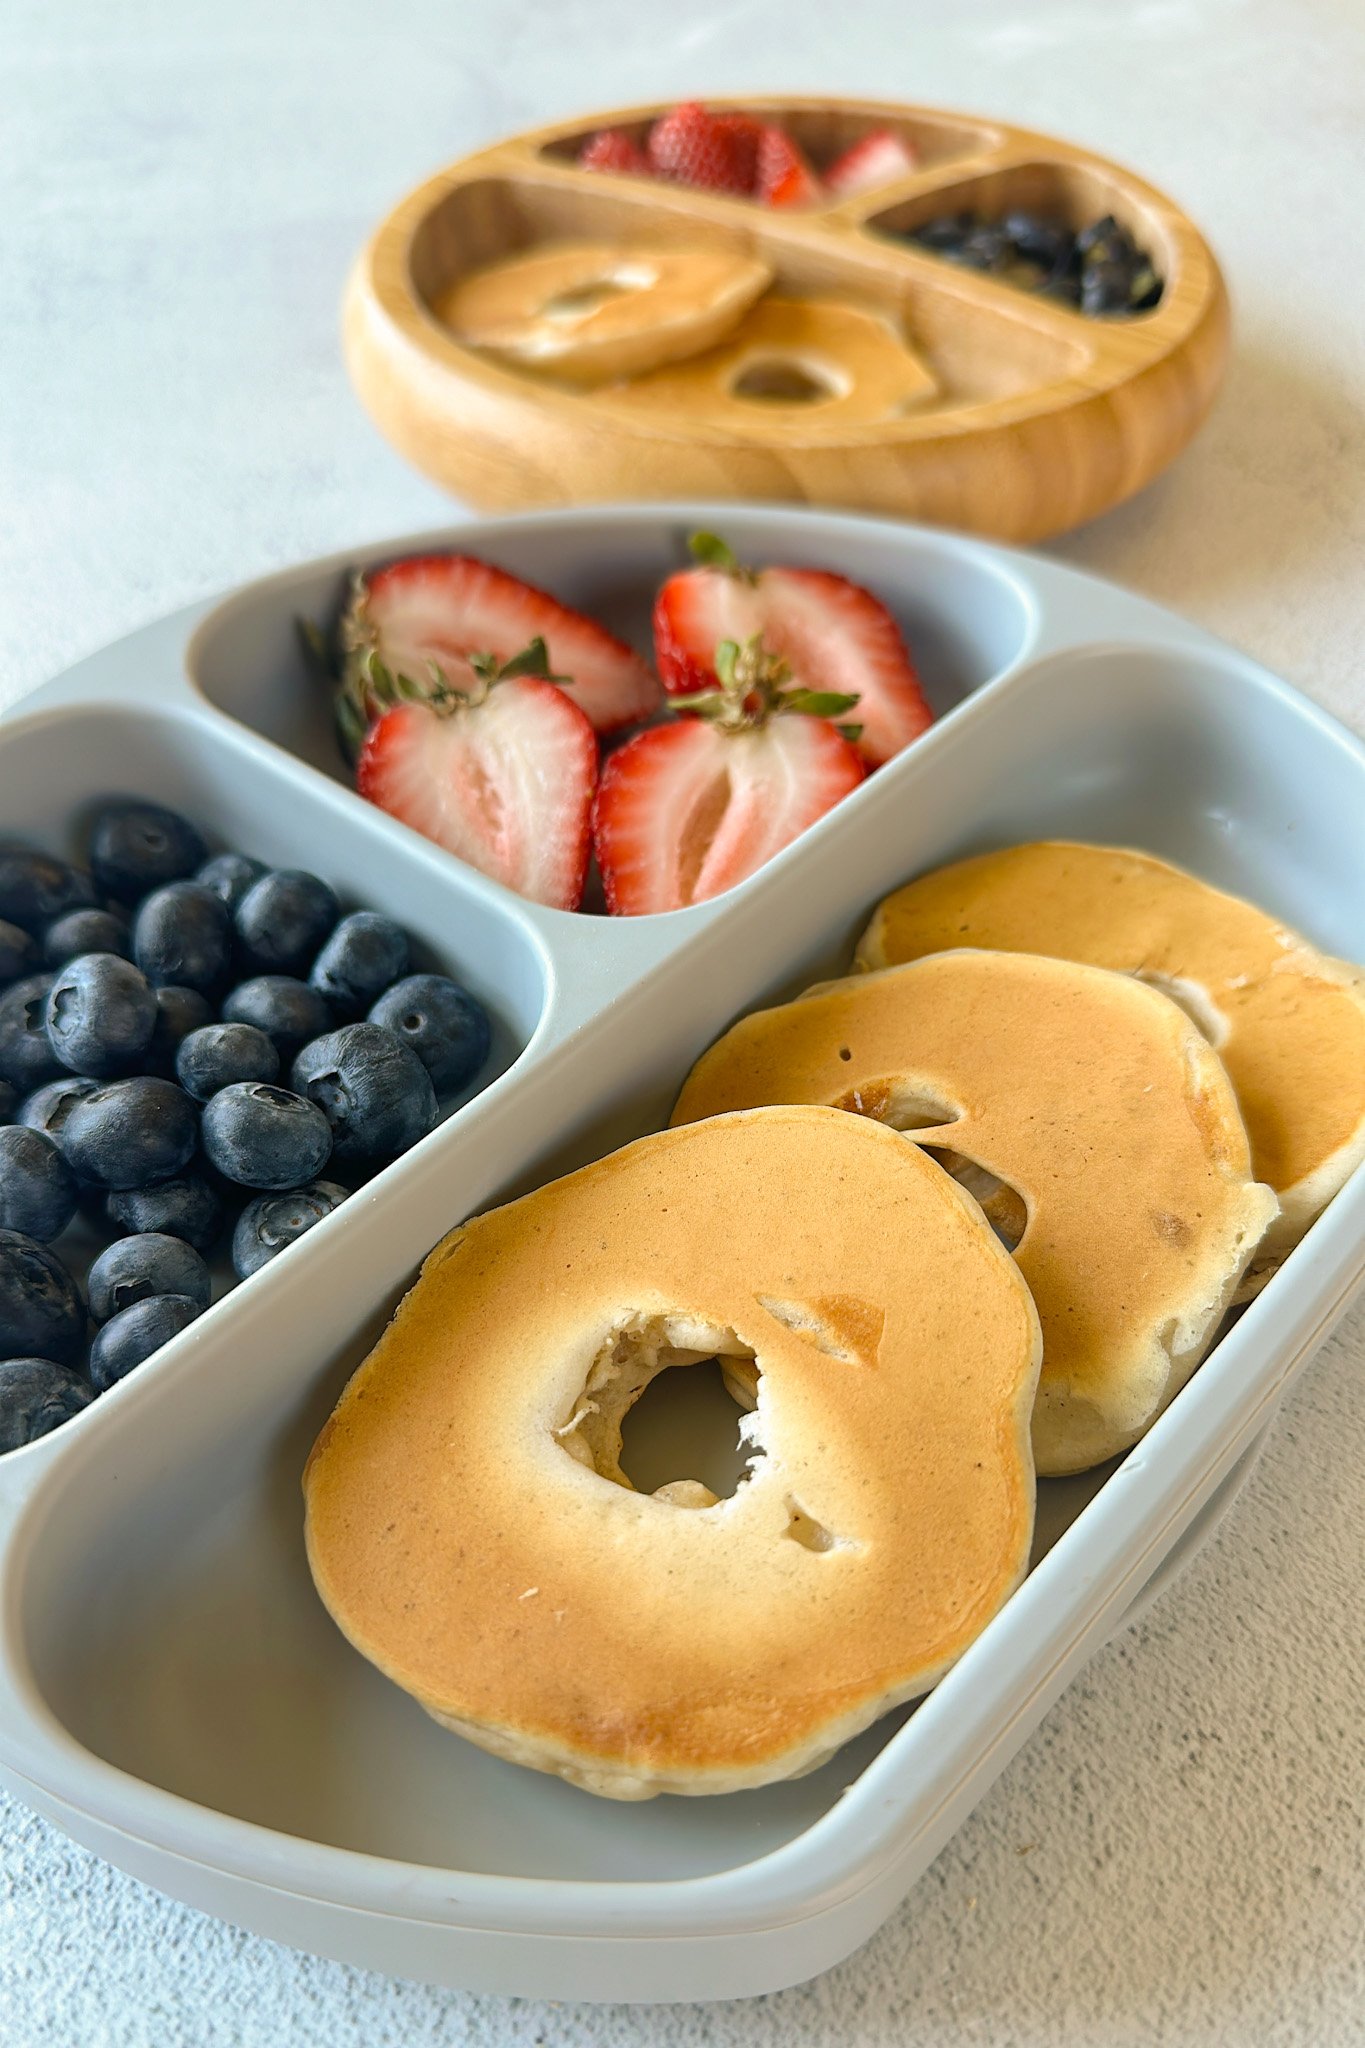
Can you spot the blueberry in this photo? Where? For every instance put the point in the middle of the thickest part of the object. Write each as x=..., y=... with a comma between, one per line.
x=35, y=888
x=18, y=953
x=442, y=1023
x=37, y=1188
x=37, y=1395
x=1042, y=241
x=128, y=1339
x=133, y=1268
x=264, y=1137
x=220, y=1054
x=286, y=1009
x=131, y=1133
x=271, y=1223
x=283, y=919
x=48, y=1108
x=100, y=1015
x=86, y=931
x=26, y=1057
x=230, y=875
x=375, y=1092
x=364, y=955
x=41, y=1313
x=182, y=937
x=135, y=847
x=9, y=1100
x=185, y=1207
x=178, y=1012
x=1106, y=285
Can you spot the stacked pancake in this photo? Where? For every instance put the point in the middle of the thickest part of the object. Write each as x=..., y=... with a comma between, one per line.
x=1046, y=1024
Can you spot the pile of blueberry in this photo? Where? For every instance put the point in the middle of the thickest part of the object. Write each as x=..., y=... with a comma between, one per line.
x=187, y=1046
x=1099, y=268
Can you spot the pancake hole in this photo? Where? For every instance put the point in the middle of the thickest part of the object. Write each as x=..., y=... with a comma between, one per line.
x=1005, y=1208
x=669, y=1408
x=782, y=380
x=845, y=1052
x=805, y=1530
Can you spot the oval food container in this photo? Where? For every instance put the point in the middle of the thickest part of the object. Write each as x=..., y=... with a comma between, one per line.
x=171, y=1691
x=1035, y=418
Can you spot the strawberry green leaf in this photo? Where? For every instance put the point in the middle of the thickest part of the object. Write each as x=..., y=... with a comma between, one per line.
x=714, y=553
x=819, y=703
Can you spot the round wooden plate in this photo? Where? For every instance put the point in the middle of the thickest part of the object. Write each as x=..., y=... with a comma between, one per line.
x=1042, y=417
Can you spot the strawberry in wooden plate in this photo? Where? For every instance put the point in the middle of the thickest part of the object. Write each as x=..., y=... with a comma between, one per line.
x=688, y=809
x=875, y=160
x=499, y=771
x=432, y=610
x=784, y=178
x=718, y=152
x=834, y=636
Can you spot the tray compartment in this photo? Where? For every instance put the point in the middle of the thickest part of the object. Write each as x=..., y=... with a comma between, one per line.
x=232, y=1688
x=966, y=621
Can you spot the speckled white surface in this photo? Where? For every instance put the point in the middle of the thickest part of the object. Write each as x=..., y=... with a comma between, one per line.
x=1176, y=1857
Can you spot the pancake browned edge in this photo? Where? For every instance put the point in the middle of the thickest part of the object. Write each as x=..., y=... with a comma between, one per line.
x=467, y=1530
x=1097, y=1101
x=1287, y=1021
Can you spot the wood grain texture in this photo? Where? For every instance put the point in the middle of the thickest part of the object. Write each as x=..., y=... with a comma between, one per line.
x=1042, y=417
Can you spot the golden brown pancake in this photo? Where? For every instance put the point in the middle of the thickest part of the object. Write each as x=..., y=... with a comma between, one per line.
x=1095, y=1100
x=1287, y=1021
x=470, y=1531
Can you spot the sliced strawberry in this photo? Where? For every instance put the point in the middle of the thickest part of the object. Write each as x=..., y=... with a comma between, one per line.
x=833, y=635
x=438, y=609
x=612, y=149
x=875, y=160
x=687, y=810
x=784, y=176
x=745, y=133
x=503, y=780
x=689, y=146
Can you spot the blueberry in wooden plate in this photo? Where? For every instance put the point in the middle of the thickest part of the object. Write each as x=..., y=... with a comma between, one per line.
x=442, y=1023
x=38, y=1190
x=37, y=1395
x=135, y=1268
x=129, y=1338
x=374, y=1091
x=100, y=1016
x=135, y=847
x=271, y=1223
x=41, y=1312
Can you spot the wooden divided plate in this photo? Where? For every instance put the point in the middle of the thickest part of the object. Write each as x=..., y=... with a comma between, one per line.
x=1032, y=415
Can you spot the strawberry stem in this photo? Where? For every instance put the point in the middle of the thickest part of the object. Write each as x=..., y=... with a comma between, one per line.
x=713, y=553
x=751, y=690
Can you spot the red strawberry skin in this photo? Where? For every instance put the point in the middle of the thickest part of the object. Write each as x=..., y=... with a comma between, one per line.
x=441, y=608
x=612, y=149
x=506, y=784
x=689, y=146
x=784, y=178
x=685, y=811
x=874, y=160
x=834, y=635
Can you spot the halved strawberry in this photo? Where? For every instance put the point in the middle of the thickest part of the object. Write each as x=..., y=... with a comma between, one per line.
x=833, y=635
x=501, y=775
x=438, y=609
x=612, y=149
x=875, y=160
x=690, y=146
x=688, y=809
x=784, y=178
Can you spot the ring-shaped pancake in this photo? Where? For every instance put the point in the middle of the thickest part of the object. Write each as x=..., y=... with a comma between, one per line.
x=1091, y=1096
x=470, y=1531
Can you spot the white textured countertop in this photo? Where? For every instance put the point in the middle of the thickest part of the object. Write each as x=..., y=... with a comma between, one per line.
x=1176, y=1857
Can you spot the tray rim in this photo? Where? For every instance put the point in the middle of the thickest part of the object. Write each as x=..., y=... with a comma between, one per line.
x=1336, y=1247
